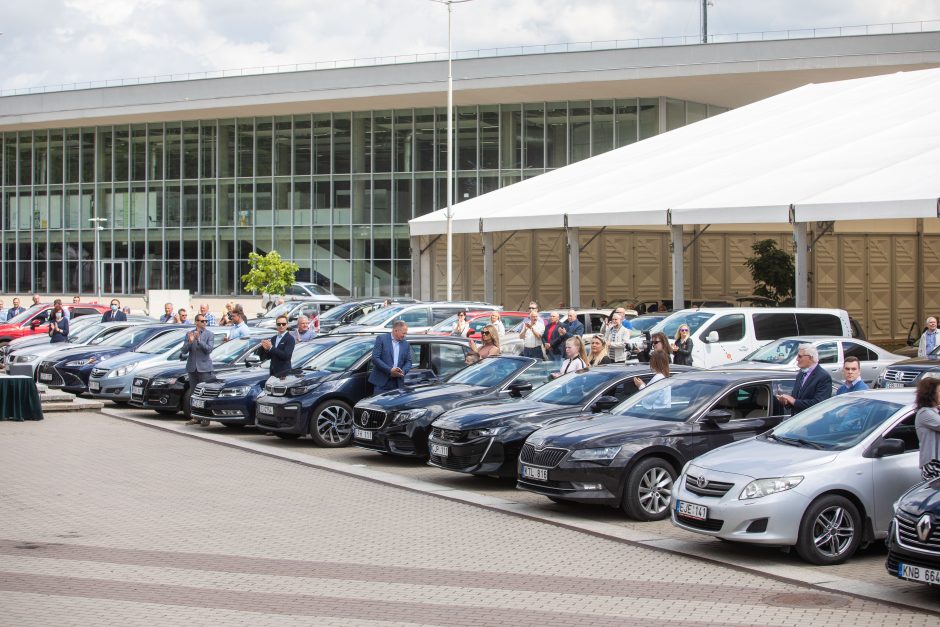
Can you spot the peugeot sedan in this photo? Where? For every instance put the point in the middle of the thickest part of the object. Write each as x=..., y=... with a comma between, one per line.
x=823, y=482
x=630, y=457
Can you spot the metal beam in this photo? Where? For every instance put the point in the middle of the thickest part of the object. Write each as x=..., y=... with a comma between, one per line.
x=489, y=278
x=678, y=268
x=826, y=227
x=574, y=267
x=431, y=243
x=593, y=237
x=504, y=242
x=800, y=236
x=695, y=237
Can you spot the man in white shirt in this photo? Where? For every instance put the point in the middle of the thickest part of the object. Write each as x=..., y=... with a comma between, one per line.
x=531, y=335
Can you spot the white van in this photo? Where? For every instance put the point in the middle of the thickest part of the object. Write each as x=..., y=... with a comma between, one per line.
x=724, y=335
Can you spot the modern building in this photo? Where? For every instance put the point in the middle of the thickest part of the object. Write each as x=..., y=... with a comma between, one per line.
x=327, y=166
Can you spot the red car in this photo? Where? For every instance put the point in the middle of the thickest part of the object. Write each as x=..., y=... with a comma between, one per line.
x=36, y=319
x=478, y=320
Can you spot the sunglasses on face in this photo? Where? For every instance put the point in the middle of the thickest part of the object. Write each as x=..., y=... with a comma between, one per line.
x=484, y=332
x=657, y=341
x=281, y=324
x=200, y=319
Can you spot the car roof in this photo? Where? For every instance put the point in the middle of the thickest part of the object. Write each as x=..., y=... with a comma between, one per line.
x=734, y=376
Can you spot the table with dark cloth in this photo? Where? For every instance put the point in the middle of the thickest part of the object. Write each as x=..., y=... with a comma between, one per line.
x=19, y=399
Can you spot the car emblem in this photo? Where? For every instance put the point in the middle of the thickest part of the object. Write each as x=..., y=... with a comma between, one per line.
x=701, y=481
x=539, y=444
x=364, y=418
x=924, y=527
x=897, y=375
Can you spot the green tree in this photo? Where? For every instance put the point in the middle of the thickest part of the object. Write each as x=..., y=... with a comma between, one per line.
x=269, y=273
x=772, y=270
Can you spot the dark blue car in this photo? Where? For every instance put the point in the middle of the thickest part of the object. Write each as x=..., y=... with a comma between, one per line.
x=318, y=399
x=914, y=535
x=70, y=369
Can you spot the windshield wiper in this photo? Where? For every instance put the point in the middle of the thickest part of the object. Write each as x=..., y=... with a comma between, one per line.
x=771, y=436
x=795, y=441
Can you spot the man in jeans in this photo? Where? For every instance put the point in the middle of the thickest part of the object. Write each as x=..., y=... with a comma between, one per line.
x=197, y=346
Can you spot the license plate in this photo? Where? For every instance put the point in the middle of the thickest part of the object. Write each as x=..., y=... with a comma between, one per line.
x=894, y=384
x=362, y=434
x=94, y=386
x=266, y=409
x=918, y=573
x=199, y=403
x=539, y=474
x=136, y=389
x=698, y=512
x=439, y=449
x=45, y=376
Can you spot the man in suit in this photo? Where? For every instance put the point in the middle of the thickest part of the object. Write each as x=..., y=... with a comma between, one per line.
x=279, y=348
x=391, y=359
x=15, y=310
x=554, y=341
x=115, y=315
x=196, y=347
x=812, y=385
x=571, y=326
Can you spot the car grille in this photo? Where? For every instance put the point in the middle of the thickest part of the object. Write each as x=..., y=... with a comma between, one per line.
x=99, y=372
x=275, y=390
x=901, y=376
x=547, y=457
x=712, y=524
x=711, y=488
x=205, y=392
x=908, y=537
x=47, y=368
x=455, y=462
x=448, y=435
x=370, y=418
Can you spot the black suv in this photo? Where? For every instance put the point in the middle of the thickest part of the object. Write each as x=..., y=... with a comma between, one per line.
x=318, y=399
x=907, y=373
x=914, y=535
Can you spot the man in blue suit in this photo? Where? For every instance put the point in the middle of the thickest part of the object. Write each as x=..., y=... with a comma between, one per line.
x=115, y=315
x=813, y=384
x=196, y=348
x=391, y=359
x=279, y=349
x=571, y=327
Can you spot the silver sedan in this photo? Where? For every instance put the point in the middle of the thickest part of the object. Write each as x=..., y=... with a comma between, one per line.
x=781, y=354
x=823, y=481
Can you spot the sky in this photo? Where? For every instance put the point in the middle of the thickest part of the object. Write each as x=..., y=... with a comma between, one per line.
x=58, y=42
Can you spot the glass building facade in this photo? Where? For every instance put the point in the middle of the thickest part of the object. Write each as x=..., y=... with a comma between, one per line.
x=184, y=203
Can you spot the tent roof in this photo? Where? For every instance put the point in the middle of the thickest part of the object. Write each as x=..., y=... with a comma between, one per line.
x=867, y=148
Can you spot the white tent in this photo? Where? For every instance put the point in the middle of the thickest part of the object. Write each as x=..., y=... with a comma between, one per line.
x=859, y=149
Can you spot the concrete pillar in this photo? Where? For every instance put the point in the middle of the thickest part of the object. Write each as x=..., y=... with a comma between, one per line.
x=678, y=268
x=489, y=278
x=415, y=266
x=801, y=237
x=574, y=268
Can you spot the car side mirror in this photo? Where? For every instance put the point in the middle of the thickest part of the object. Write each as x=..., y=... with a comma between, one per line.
x=417, y=377
x=259, y=315
x=912, y=336
x=887, y=447
x=516, y=390
x=712, y=338
x=604, y=403
x=35, y=322
x=718, y=416
x=252, y=360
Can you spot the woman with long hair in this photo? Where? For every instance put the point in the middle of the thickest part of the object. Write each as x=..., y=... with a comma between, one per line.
x=659, y=364
x=927, y=424
x=658, y=341
x=489, y=347
x=682, y=346
x=598, y=356
x=461, y=327
x=58, y=326
x=576, y=358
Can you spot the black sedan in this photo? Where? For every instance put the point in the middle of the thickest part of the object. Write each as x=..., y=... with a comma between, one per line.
x=399, y=422
x=908, y=372
x=914, y=535
x=163, y=388
x=486, y=439
x=318, y=399
x=631, y=456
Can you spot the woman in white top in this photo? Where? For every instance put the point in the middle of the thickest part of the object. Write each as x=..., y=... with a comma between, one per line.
x=576, y=357
x=496, y=322
x=461, y=327
x=659, y=364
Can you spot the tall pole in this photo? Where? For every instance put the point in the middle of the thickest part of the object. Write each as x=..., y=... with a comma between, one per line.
x=450, y=157
x=705, y=21
x=99, y=278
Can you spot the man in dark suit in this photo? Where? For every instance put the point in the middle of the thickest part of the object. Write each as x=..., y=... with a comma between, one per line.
x=813, y=384
x=391, y=359
x=279, y=349
x=15, y=310
x=571, y=326
x=115, y=315
x=554, y=340
x=196, y=347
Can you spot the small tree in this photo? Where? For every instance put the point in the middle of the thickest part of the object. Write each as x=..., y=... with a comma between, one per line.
x=772, y=270
x=269, y=273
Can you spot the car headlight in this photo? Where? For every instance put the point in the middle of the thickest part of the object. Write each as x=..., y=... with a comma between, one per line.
x=25, y=359
x=596, y=454
x=160, y=381
x=241, y=390
x=410, y=415
x=80, y=362
x=760, y=488
x=123, y=370
x=300, y=390
x=486, y=433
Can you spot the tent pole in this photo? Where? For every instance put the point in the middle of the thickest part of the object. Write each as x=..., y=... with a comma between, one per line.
x=574, y=267
x=489, y=283
x=678, y=267
x=415, y=266
x=801, y=238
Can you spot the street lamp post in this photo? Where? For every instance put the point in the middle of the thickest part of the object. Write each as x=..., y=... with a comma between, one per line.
x=96, y=225
x=450, y=148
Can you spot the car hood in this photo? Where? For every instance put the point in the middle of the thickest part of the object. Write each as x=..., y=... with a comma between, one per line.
x=588, y=430
x=918, y=363
x=246, y=376
x=83, y=352
x=352, y=328
x=42, y=350
x=125, y=358
x=921, y=499
x=759, y=365
x=502, y=412
x=760, y=457
x=171, y=370
x=426, y=395
x=30, y=340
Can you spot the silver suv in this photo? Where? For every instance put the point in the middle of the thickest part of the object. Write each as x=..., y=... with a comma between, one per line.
x=302, y=291
x=419, y=316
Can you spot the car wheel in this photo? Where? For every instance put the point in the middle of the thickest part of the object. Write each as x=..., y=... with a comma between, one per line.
x=287, y=436
x=167, y=412
x=648, y=490
x=830, y=531
x=331, y=423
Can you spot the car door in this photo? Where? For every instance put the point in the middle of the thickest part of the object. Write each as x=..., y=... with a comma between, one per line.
x=868, y=359
x=892, y=475
x=446, y=358
x=418, y=319
x=753, y=411
x=829, y=359
x=732, y=344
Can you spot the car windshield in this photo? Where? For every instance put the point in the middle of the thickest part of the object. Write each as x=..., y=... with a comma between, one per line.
x=779, y=352
x=341, y=357
x=339, y=311
x=489, y=372
x=644, y=324
x=281, y=310
x=836, y=424
x=669, y=399
x=162, y=343
x=86, y=333
x=316, y=290
x=379, y=316
x=229, y=352
x=444, y=327
x=306, y=351
x=544, y=316
x=576, y=389
x=692, y=319
x=26, y=315
x=130, y=336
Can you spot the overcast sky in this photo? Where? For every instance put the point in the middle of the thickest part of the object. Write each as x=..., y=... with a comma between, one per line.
x=52, y=42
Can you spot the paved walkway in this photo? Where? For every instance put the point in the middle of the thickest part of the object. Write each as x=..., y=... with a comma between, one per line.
x=107, y=522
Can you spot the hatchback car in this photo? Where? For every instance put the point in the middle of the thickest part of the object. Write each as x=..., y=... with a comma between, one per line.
x=25, y=361
x=914, y=535
x=399, y=422
x=419, y=316
x=303, y=291
x=318, y=400
x=823, y=482
x=486, y=439
x=352, y=310
x=477, y=320
x=29, y=341
x=35, y=320
x=630, y=457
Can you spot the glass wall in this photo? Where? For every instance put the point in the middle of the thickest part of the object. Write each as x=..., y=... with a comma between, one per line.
x=183, y=203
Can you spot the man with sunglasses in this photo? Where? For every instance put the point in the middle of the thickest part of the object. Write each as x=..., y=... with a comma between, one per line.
x=279, y=348
x=196, y=347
